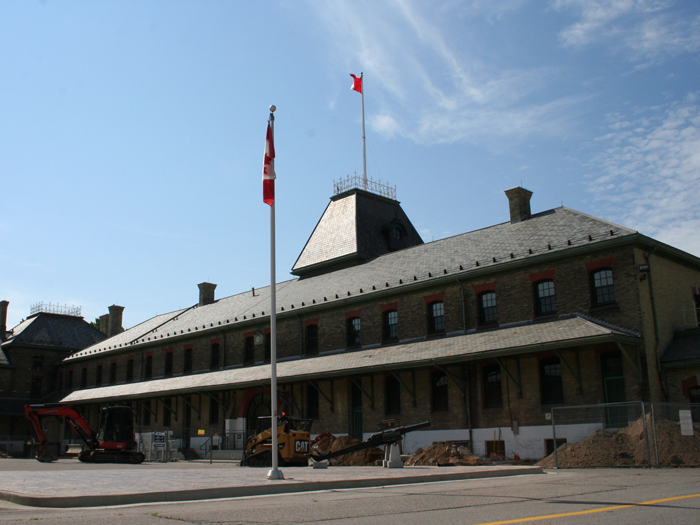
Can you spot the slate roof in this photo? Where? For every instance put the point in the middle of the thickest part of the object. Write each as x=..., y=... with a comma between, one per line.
x=553, y=231
x=354, y=227
x=683, y=350
x=3, y=359
x=568, y=330
x=54, y=330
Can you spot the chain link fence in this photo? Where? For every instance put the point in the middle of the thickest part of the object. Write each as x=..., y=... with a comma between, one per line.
x=632, y=434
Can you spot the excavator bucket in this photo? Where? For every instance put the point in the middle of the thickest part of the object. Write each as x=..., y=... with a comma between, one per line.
x=45, y=456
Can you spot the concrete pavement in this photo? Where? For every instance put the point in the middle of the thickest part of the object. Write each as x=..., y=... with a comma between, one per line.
x=69, y=483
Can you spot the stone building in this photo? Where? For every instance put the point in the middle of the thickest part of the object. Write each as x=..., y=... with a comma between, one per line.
x=30, y=362
x=481, y=333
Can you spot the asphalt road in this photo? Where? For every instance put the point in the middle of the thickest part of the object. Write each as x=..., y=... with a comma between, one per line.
x=604, y=496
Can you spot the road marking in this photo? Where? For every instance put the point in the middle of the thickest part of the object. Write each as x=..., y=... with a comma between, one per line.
x=582, y=512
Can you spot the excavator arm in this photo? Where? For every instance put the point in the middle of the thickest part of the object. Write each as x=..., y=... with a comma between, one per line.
x=34, y=413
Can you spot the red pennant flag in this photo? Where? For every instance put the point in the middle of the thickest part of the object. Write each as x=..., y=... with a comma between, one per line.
x=357, y=83
x=268, y=175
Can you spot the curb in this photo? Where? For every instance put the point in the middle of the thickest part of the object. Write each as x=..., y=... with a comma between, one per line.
x=277, y=487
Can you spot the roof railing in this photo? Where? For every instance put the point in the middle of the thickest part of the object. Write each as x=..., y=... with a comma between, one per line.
x=49, y=308
x=356, y=181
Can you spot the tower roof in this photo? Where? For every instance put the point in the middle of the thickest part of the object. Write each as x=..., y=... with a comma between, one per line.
x=356, y=226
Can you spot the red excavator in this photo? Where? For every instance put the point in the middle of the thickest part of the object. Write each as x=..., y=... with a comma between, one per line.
x=113, y=443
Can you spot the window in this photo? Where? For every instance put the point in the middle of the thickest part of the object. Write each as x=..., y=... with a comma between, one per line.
x=130, y=370
x=268, y=347
x=391, y=325
x=312, y=407
x=146, y=413
x=487, y=308
x=98, y=375
x=545, y=299
x=436, y=317
x=69, y=379
x=37, y=362
x=312, y=339
x=213, y=411
x=83, y=378
x=249, y=350
x=392, y=395
x=603, y=287
x=550, y=380
x=187, y=368
x=438, y=386
x=214, y=357
x=167, y=414
x=148, y=368
x=493, y=393
x=353, y=331
x=35, y=391
x=112, y=373
x=168, y=364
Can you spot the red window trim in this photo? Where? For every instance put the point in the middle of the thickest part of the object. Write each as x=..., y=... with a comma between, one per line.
x=188, y=346
x=168, y=350
x=486, y=287
x=354, y=313
x=148, y=354
x=601, y=263
x=434, y=298
x=390, y=306
x=113, y=362
x=246, y=335
x=547, y=275
x=310, y=322
x=216, y=341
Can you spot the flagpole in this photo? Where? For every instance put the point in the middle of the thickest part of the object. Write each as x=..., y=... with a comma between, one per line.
x=364, y=152
x=274, y=472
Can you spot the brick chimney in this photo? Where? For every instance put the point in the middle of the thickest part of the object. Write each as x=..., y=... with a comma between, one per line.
x=3, y=319
x=206, y=293
x=115, y=320
x=519, y=203
x=104, y=324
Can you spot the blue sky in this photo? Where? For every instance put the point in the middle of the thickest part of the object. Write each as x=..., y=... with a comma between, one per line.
x=132, y=132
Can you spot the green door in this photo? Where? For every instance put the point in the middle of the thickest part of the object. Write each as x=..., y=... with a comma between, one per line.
x=614, y=389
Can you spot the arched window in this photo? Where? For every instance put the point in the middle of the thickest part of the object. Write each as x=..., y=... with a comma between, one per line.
x=545, y=298
x=392, y=395
x=550, y=381
x=390, y=325
x=487, y=308
x=436, y=317
x=353, y=332
x=603, y=287
x=493, y=393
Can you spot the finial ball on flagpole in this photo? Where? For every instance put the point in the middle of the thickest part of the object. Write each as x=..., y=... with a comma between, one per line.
x=273, y=108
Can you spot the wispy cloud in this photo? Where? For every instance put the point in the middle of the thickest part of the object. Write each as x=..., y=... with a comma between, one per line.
x=435, y=90
x=642, y=30
x=649, y=171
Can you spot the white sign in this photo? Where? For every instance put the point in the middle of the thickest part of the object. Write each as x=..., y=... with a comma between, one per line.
x=686, y=419
x=159, y=439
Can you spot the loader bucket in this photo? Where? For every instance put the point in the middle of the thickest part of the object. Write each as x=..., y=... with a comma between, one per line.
x=45, y=456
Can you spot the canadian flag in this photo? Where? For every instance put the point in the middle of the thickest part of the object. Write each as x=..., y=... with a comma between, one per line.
x=357, y=83
x=268, y=175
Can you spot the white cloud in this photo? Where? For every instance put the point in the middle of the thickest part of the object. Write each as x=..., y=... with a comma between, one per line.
x=651, y=174
x=642, y=30
x=435, y=89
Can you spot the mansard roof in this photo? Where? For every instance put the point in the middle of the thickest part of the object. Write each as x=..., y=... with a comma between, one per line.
x=356, y=226
x=567, y=330
x=554, y=233
x=57, y=331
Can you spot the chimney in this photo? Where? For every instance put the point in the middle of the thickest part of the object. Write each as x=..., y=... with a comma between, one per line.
x=3, y=319
x=115, y=320
x=206, y=293
x=519, y=203
x=104, y=324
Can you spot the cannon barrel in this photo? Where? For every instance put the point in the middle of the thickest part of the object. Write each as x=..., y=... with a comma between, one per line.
x=385, y=437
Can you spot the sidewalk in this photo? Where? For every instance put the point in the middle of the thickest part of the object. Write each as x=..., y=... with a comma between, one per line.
x=69, y=483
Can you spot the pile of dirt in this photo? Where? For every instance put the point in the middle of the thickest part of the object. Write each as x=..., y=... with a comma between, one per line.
x=360, y=458
x=443, y=454
x=628, y=447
